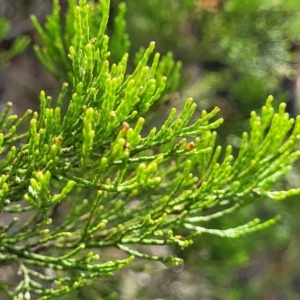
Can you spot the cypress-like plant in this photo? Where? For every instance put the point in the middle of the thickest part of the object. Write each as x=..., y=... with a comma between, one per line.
x=124, y=186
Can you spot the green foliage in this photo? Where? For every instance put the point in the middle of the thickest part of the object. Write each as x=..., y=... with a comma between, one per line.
x=17, y=47
x=236, y=45
x=125, y=187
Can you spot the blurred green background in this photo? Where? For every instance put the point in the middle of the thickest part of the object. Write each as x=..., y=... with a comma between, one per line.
x=234, y=53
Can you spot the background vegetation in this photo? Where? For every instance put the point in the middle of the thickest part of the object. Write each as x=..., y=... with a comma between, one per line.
x=234, y=54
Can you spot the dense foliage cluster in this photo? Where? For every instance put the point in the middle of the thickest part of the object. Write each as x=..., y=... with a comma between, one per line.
x=123, y=186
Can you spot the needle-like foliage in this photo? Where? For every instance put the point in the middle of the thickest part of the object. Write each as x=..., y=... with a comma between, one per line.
x=124, y=186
